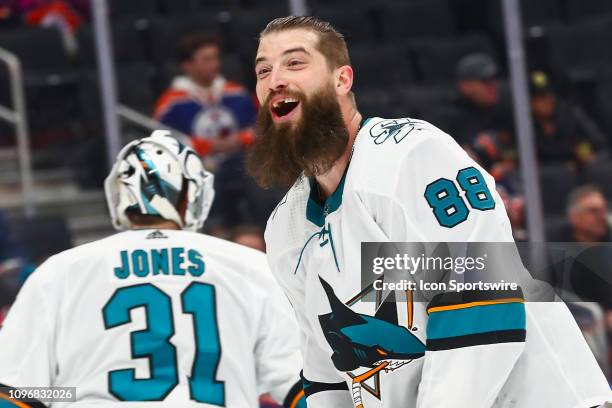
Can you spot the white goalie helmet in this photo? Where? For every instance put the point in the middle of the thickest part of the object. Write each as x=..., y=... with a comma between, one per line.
x=158, y=175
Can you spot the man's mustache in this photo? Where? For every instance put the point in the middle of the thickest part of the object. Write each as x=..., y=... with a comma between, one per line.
x=284, y=93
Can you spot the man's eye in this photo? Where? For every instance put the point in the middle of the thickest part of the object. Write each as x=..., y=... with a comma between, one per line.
x=294, y=63
x=262, y=71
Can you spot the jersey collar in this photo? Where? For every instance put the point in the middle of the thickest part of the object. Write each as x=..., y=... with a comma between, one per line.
x=315, y=212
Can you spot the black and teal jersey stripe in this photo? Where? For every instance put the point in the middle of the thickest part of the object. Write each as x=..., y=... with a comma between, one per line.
x=313, y=387
x=7, y=400
x=474, y=318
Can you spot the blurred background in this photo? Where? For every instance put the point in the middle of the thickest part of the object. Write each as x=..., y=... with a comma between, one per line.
x=78, y=78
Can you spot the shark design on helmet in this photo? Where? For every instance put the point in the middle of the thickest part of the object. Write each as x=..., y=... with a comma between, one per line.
x=158, y=175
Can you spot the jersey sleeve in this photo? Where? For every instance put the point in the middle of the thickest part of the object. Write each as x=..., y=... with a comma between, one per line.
x=323, y=385
x=26, y=338
x=473, y=338
x=277, y=348
x=445, y=196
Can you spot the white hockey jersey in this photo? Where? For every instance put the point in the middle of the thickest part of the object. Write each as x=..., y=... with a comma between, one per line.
x=171, y=318
x=409, y=181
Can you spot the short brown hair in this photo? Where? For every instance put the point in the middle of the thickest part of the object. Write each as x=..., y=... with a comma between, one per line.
x=331, y=42
x=187, y=45
x=577, y=194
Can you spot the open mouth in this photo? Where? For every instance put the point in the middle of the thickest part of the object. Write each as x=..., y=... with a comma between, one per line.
x=283, y=107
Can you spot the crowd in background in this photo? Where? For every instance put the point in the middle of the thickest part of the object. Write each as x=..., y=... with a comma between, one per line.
x=198, y=98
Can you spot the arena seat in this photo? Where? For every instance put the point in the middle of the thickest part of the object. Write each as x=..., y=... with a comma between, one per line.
x=469, y=16
x=182, y=7
x=556, y=181
x=397, y=101
x=374, y=101
x=274, y=7
x=131, y=9
x=583, y=46
x=358, y=26
x=556, y=228
x=577, y=10
x=599, y=174
x=128, y=45
x=436, y=58
x=421, y=101
x=391, y=65
x=49, y=77
x=165, y=32
x=603, y=96
x=141, y=97
x=244, y=29
x=41, y=50
x=42, y=236
x=414, y=19
x=533, y=13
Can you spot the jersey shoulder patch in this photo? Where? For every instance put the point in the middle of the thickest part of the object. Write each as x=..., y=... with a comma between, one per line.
x=390, y=131
x=382, y=147
x=391, y=140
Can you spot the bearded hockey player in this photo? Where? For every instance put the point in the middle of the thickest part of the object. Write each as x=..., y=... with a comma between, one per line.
x=360, y=180
x=157, y=315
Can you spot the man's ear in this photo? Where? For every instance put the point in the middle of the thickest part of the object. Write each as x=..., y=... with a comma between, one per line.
x=344, y=80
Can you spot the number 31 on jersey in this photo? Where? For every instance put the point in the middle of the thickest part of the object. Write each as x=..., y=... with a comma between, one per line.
x=447, y=203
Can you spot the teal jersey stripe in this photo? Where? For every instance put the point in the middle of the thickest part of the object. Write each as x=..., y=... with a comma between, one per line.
x=316, y=212
x=477, y=319
x=7, y=404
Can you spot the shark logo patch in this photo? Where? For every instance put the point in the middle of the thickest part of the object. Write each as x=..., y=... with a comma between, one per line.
x=374, y=343
x=396, y=129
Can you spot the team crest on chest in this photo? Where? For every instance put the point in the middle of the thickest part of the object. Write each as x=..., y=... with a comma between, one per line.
x=367, y=346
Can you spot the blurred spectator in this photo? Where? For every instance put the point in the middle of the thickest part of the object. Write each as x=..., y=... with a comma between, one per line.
x=563, y=132
x=479, y=116
x=478, y=105
x=251, y=236
x=73, y=11
x=591, y=271
x=218, y=115
x=64, y=15
x=587, y=215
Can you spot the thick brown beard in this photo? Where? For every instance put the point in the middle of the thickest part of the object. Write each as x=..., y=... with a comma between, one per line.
x=282, y=151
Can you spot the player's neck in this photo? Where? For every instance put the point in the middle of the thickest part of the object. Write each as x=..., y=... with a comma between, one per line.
x=203, y=82
x=329, y=181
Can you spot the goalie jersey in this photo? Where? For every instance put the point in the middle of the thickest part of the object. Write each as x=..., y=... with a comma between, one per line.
x=153, y=318
x=409, y=181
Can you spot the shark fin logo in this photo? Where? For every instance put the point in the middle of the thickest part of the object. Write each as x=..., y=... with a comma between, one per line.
x=376, y=343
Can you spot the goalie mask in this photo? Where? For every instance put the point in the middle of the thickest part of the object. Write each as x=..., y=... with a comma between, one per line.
x=159, y=176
